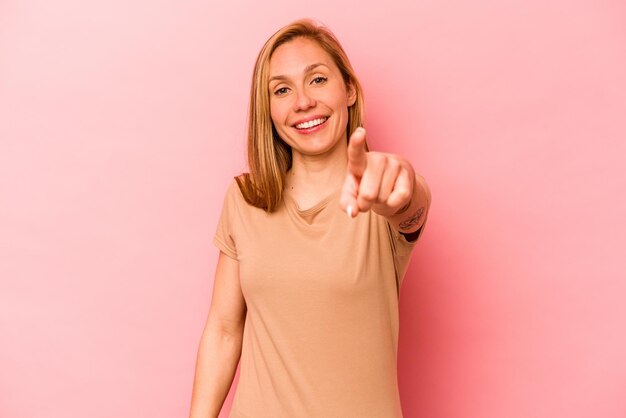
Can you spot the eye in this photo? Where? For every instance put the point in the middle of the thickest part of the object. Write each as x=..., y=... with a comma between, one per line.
x=319, y=80
x=281, y=91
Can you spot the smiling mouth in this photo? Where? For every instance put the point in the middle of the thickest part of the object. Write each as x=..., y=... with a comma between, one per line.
x=311, y=124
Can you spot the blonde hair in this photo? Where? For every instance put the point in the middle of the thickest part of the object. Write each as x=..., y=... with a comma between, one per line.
x=269, y=157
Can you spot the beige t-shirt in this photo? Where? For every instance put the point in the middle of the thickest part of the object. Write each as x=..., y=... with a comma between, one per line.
x=321, y=331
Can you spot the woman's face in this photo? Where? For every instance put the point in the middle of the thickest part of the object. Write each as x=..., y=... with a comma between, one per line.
x=308, y=97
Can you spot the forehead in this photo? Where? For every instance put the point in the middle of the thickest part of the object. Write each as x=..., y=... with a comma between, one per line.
x=291, y=58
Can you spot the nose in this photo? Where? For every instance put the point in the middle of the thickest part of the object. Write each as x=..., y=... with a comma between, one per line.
x=303, y=101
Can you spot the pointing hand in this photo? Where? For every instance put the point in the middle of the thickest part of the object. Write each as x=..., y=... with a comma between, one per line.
x=378, y=181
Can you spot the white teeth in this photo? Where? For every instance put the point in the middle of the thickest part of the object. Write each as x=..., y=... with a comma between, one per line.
x=311, y=123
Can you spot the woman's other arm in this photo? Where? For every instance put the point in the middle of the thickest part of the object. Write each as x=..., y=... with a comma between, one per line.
x=220, y=345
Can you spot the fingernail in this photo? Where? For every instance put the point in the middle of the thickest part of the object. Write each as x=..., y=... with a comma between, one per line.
x=349, y=212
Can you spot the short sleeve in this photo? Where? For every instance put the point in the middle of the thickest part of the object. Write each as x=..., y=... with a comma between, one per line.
x=224, y=238
x=402, y=249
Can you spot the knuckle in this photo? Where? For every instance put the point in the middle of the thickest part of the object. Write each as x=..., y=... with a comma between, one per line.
x=373, y=158
x=404, y=195
x=393, y=165
x=368, y=195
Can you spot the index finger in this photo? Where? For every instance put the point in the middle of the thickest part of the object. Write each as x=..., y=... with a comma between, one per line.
x=357, y=160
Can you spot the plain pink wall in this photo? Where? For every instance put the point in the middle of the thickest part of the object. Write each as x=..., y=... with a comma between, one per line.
x=122, y=123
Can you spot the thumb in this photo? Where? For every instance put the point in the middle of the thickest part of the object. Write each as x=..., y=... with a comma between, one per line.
x=348, y=201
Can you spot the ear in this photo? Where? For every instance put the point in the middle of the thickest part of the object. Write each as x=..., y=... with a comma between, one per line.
x=351, y=92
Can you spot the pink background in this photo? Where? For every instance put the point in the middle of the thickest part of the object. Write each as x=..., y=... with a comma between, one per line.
x=122, y=123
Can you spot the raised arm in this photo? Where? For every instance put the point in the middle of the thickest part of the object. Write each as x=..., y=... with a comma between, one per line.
x=385, y=183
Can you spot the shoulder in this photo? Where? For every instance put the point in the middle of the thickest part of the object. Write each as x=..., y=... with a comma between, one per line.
x=233, y=190
x=239, y=197
x=231, y=199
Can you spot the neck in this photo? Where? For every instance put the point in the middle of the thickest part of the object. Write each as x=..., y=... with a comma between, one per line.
x=317, y=175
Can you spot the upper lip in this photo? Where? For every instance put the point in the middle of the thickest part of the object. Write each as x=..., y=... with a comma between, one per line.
x=309, y=119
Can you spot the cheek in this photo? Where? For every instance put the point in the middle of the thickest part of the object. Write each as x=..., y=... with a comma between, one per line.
x=277, y=114
x=342, y=105
x=340, y=100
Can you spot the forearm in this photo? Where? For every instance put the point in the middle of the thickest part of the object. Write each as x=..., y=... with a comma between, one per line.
x=411, y=217
x=216, y=364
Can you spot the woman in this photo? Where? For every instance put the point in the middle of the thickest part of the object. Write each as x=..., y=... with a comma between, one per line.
x=305, y=295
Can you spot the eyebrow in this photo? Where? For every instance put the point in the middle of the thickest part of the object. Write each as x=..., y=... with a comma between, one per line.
x=306, y=70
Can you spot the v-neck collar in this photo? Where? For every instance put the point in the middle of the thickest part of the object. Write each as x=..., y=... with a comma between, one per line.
x=310, y=215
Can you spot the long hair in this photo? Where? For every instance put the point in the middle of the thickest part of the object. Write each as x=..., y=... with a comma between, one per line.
x=269, y=157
